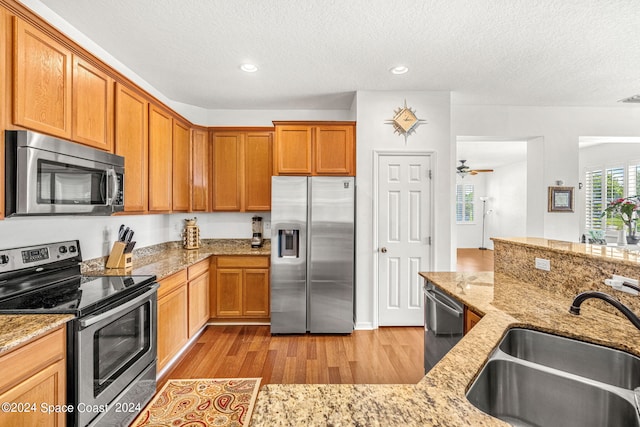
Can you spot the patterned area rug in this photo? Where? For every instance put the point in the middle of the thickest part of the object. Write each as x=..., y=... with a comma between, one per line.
x=203, y=402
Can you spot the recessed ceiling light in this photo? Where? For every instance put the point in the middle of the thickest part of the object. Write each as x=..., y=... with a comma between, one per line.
x=400, y=69
x=249, y=68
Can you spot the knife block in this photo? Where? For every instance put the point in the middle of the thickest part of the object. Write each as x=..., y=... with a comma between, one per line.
x=118, y=258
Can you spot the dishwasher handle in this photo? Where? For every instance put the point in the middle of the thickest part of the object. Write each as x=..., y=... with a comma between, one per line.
x=432, y=296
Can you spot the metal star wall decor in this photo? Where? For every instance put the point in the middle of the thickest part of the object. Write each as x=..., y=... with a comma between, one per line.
x=405, y=121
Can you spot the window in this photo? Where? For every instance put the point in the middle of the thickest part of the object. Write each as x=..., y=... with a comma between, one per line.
x=603, y=185
x=465, y=203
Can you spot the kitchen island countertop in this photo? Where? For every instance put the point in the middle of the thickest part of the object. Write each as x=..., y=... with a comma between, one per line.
x=439, y=398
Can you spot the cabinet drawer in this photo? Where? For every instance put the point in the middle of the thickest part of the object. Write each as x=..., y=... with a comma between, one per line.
x=197, y=269
x=243, y=261
x=172, y=282
x=31, y=358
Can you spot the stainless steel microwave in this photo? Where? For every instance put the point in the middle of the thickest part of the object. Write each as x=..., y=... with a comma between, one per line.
x=49, y=176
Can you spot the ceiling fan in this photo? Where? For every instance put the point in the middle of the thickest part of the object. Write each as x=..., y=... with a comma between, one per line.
x=463, y=170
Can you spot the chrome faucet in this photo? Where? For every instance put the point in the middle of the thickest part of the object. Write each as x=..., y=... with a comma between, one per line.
x=580, y=298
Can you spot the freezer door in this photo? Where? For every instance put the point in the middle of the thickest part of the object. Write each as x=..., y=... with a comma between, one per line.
x=331, y=254
x=288, y=254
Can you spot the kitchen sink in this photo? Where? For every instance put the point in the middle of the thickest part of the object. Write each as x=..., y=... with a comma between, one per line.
x=592, y=361
x=538, y=379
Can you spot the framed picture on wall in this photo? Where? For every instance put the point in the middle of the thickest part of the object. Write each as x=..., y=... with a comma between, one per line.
x=560, y=199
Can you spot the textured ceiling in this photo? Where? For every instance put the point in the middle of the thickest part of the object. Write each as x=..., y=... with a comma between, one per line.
x=314, y=54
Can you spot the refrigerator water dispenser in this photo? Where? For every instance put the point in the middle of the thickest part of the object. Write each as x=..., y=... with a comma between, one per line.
x=288, y=243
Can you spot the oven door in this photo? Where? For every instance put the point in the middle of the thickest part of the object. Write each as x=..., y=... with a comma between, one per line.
x=51, y=183
x=113, y=349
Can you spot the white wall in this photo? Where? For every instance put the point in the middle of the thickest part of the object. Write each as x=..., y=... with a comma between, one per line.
x=97, y=234
x=507, y=192
x=560, y=129
x=373, y=110
x=469, y=235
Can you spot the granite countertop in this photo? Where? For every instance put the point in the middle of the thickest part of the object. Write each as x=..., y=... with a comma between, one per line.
x=159, y=260
x=17, y=329
x=170, y=258
x=439, y=398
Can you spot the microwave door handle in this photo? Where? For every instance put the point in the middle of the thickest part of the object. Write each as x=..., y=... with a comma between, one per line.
x=112, y=186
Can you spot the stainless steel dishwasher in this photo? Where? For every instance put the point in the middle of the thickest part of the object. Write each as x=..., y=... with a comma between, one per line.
x=443, y=324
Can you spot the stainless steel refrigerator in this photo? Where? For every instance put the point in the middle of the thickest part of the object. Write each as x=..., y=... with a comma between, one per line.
x=312, y=254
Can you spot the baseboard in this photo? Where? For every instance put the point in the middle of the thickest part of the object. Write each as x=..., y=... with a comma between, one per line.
x=364, y=326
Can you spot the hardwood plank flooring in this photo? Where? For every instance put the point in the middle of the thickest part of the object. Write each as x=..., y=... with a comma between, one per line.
x=472, y=260
x=391, y=355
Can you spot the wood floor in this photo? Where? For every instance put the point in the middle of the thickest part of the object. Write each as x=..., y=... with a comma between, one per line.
x=392, y=355
x=472, y=259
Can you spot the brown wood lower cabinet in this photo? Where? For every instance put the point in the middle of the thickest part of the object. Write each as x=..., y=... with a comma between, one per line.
x=183, y=309
x=173, y=331
x=35, y=374
x=470, y=319
x=241, y=287
x=198, y=296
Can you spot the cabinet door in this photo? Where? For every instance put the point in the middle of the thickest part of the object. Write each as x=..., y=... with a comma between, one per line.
x=173, y=331
x=198, y=303
x=46, y=387
x=92, y=120
x=226, y=171
x=4, y=98
x=229, y=292
x=160, y=160
x=181, y=169
x=292, y=150
x=255, y=293
x=470, y=319
x=42, y=82
x=132, y=143
x=334, y=150
x=199, y=171
x=258, y=161
x=35, y=373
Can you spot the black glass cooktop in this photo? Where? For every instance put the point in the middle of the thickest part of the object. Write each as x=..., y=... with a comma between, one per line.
x=60, y=293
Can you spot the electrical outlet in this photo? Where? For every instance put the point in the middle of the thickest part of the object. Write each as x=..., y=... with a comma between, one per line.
x=267, y=228
x=543, y=264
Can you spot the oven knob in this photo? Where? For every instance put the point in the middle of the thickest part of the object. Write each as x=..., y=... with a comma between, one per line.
x=72, y=249
x=4, y=259
x=63, y=249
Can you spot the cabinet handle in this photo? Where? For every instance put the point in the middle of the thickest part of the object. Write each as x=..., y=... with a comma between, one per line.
x=383, y=250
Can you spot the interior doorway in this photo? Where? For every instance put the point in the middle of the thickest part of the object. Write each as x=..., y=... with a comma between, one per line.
x=491, y=189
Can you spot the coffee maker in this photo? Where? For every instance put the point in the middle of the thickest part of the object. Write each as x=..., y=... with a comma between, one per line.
x=256, y=228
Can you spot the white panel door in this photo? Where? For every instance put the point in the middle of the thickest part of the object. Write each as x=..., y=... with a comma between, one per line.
x=404, y=199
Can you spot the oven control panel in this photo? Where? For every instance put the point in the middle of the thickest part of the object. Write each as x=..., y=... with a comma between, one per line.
x=34, y=256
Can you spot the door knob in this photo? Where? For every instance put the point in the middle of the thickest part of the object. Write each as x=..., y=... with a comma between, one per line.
x=383, y=250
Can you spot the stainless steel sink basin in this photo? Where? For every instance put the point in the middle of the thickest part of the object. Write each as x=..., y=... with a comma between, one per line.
x=593, y=361
x=538, y=379
x=525, y=396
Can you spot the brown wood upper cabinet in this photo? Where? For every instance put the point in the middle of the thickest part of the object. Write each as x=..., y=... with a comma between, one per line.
x=41, y=81
x=181, y=168
x=199, y=170
x=92, y=101
x=314, y=148
x=241, y=175
x=132, y=142
x=160, y=160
